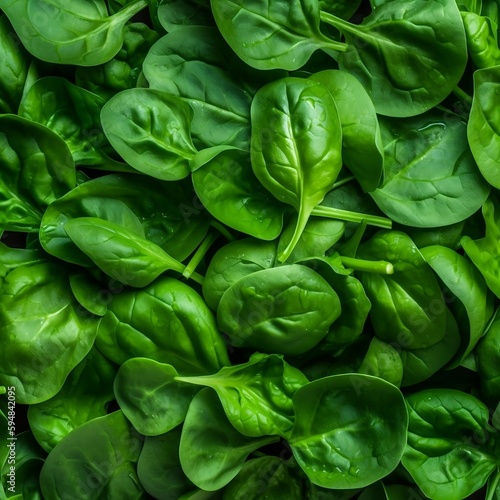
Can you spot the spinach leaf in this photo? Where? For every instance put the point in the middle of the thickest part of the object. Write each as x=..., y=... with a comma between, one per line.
x=37, y=168
x=167, y=322
x=450, y=451
x=296, y=145
x=163, y=210
x=228, y=189
x=159, y=468
x=119, y=252
x=350, y=430
x=256, y=396
x=149, y=396
x=43, y=331
x=211, y=450
x=482, y=42
x=341, y=8
x=484, y=252
x=483, y=127
x=173, y=14
x=421, y=364
x=465, y=283
x=429, y=170
x=268, y=34
x=362, y=148
x=402, y=53
x=234, y=261
x=83, y=397
x=150, y=130
x=382, y=360
x=70, y=32
x=265, y=477
x=14, y=68
x=73, y=114
x=96, y=460
x=285, y=310
x=488, y=357
x=193, y=63
x=408, y=308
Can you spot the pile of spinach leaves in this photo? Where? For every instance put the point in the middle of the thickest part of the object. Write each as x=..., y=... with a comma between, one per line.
x=250, y=249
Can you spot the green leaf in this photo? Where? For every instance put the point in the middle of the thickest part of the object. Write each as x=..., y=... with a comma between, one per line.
x=149, y=396
x=350, y=430
x=296, y=145
x=483, y=127
x=70, y=32
x=211, y=450
x=83, y=397
x=36, y=168
x=97, y=460
x=257, y=395
x=167, y=322
x=429, y=170
x=151, y=131
x=268, y=34
x=285, y=310
x=450, y=443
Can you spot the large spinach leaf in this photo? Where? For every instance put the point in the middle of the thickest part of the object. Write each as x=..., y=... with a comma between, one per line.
x=70, y=32
x=429, y=170
x=296, y=145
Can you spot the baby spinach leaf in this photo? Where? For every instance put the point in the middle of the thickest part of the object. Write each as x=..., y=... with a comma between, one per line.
x=36, y=169
x=96, y=460
x=421, y=364
x=362, y=148
x=268, y=34
x=174, y=14
x=159, y=468
x=256, y=396
x=228, y=189
x=382, y=360
x=193, y=63
x=83, y=397
x=70, y=32
x=265, y=477
x=211, y=450
x=429, y=170
x=234, y=261
x=122, y=71
x=488, y=362
x=408, y=308
x=167, y=322
x=341, y=8
x=402, y=53
x=285, y=310
x=162, y=208
x=465, y=283
x=482, y=41
x=119, y=252
x=73, y=114
x=43, y=330
x=14, y=68
x=150, y=130
x=485, y=252
x=350, y=430
x=296, y=145
x=450, y=451
x=149, y=396
x=483, y=127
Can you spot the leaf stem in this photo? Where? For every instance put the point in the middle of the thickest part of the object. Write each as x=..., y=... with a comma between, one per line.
x=492, y=487
x=371, y=266
x=348, y=216
x=222, y=230
x=199, y=254
x=463, y=96
x=343, y=181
